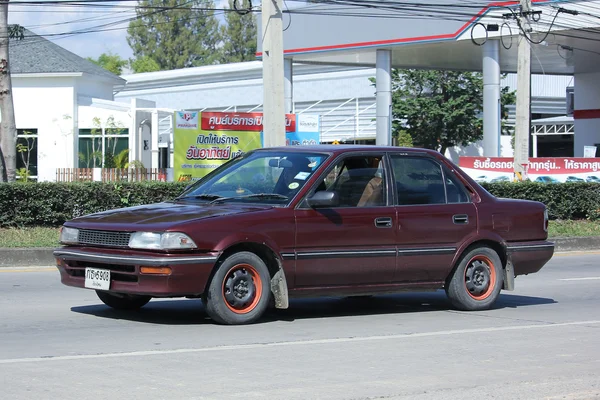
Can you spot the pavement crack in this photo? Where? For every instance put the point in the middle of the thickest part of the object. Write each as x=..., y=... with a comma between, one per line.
x=470, y=313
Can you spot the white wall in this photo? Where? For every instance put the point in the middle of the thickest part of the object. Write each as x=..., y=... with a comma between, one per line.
x=587, y=97
x=95, y=87
x=47, y=104
x=87, y=114
x=141, y=140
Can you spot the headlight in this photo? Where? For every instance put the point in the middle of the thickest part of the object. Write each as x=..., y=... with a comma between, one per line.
x=69, y=235
x=161, y=241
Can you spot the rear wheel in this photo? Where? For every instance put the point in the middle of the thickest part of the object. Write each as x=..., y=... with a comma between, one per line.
x=239, y=292
x=120, y=301
x=477, y=280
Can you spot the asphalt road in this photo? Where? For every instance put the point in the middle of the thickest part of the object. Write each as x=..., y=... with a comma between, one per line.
x=542, y=341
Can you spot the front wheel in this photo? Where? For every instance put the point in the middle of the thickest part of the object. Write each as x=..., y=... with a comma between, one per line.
x=477, y=280
x=123, y=301
x=239, y=292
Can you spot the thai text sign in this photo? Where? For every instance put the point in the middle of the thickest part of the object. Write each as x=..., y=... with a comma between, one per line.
x=552, y=169
x=203, y=141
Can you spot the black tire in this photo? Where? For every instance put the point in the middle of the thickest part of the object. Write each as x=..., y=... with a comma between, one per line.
x=476, y=281
x=123, y=301
x=239, y=291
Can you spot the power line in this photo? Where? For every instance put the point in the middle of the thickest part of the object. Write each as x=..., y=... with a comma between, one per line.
x=395, y=10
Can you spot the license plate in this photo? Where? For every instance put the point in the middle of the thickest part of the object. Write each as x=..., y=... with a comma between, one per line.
x=97, y=278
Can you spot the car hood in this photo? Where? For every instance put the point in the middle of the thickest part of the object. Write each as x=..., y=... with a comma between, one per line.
x=158, y=216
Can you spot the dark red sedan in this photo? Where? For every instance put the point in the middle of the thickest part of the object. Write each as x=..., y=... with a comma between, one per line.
x=286, y=222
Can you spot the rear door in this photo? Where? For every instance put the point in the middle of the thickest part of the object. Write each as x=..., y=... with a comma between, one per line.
x=435, y=216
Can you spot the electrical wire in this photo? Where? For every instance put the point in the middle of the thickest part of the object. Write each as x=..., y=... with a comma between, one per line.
x=558, y=47
x=502, y=36
x=99, y=28
x=564, y=47
x=388, y=9
x=242, y=11
x=290, y=15
x=486, y=34
x=534, y=51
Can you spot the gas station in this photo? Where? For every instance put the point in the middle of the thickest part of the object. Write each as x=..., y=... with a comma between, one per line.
x=465, y=36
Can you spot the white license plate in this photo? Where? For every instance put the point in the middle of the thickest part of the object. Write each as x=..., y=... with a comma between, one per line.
x=97, y=278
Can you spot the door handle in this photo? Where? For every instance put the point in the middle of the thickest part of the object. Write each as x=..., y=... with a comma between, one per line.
x=383, y=222
x=460, y=219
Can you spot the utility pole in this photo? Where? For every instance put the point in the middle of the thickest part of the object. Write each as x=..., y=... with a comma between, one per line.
x=523, y=123
x=273, y=77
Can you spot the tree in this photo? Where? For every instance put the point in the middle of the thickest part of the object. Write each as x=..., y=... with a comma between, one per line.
x=144, y=64
x=239, y=35
x=403, y=138
x=111, y=62
x=25, y=149
x=175, y=34
x=440, y=109
x=8, y=128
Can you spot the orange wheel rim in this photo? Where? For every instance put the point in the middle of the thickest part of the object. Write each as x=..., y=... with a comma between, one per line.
x=480, y=277
x=242, y=288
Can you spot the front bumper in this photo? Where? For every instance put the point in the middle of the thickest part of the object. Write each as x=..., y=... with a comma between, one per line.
x=189, y=273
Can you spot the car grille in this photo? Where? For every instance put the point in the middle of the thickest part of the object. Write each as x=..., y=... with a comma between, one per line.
x=103, y=238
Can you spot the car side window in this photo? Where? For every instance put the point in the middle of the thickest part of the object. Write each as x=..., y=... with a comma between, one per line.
x=419, y=180
x=457, y=193
x=359, y=181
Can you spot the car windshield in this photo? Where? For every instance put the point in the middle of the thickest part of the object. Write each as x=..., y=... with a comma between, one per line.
x=257, y=177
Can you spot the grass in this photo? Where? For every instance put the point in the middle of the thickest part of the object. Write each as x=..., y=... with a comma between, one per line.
x=48, y=237
x=568, y=228
x=29, y=237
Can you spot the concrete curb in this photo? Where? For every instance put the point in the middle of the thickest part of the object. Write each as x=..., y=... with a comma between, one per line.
x=576, y=243
x=26, y=257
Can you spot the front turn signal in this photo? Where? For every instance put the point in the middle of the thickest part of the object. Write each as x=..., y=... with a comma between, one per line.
x=155, y=270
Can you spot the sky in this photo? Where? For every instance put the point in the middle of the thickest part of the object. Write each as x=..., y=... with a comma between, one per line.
x=60, y=23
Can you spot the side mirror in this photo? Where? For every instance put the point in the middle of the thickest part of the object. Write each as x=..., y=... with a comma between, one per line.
x=323, y=199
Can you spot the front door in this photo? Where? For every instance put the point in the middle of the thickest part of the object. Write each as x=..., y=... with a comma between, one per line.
x=353, y=243
x=435, y=216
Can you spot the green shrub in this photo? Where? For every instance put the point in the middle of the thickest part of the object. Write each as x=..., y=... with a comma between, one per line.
x=51, y=204
x=571, y=200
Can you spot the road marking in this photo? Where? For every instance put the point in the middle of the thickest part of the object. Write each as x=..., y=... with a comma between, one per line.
x=590, y=278
x=576, y=253
x=27, y=269
x=296, y=343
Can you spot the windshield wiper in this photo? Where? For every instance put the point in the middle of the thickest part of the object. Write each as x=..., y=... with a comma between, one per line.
x=253, y=196
x=204, y=196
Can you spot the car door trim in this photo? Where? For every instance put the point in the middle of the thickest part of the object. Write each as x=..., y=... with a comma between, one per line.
x=345, y=253
x=303, y=255
x=426, y=250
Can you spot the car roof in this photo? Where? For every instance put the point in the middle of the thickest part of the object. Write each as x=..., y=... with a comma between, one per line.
x=339, y=149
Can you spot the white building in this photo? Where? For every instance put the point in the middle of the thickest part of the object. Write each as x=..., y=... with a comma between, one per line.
x=64, y=109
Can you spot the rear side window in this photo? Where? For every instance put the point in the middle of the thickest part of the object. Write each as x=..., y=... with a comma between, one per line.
x=418, y=181
x=457, y=193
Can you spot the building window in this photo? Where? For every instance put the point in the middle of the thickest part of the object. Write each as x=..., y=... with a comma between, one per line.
x=27, y=153
x=103, y=147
